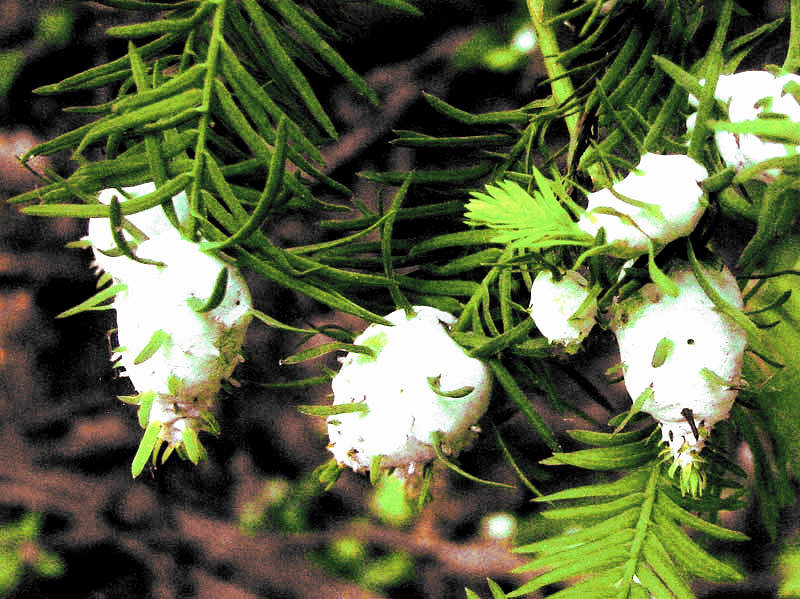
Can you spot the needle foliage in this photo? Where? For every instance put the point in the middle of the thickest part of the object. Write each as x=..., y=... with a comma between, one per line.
x=214, y=98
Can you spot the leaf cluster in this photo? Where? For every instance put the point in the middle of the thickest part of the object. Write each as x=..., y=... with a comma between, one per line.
x=628, y=538
x=213, y=98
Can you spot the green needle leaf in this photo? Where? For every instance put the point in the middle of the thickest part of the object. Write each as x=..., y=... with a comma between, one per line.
x=435, y=384
x=148, y=115
x=662, y=281
x=160, y=26
x=326, y=348
x=146, y=446
x=115, y=221
x=301, y=27
x=95, y=302
x=268, y=197
x=436, y=439
x=607, y=458
x=192, y=445
x=145, y=401
x=325, y=411
x=158, y=339
x=109, y=72
x=159, y=196
x=286, y=67
x=217, y=294
x=521, y=400
x=737, y=315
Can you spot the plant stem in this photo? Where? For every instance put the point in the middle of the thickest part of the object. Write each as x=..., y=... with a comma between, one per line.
x=712, y=67
x=792, y=62
x=642, y=527
x=542, y=13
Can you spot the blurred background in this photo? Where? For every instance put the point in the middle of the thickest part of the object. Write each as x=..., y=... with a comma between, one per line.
x=250, y=522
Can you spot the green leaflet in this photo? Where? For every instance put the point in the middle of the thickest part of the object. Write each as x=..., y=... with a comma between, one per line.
x=272, y=322
x=596, y=509
x=326, y=348
x=689, y=555
x=662, y=352
x=636, y=408
x=591, y=564
x=505, y=340
x=492, y=118
x=210, y=423
x=415, y=139
x=146, y=447
x=578, y=553
x=578, y=536
x=625, y=456
x=192, y=445
x=286, y=66
x=460, y=239
x=512, y=389
x=452, y=176
x=171, y=87
x=298, y=384
x=602, y=586
x=325, y=411
x=510, y=459
x=660, y=563
x=773, y=130
x=115, y=221
x=439, y=209
x=627, y=484
x=145, y=401
x=233, y=117
x=268, y=197
x=609, y=439
x=436, y=441
x=399, y=299
x=129, y=168
x=400, y=5
x=96, y=301
x=435, y=384
x=110, y=72
x=145, y=202
x=302, y=28
x=662, y=281
x=217, y=294
x=157, y=340
x=160, y=26
x=630, y=527
x=149, y=115
x=145, y=5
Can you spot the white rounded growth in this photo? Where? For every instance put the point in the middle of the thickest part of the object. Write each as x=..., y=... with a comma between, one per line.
x=748, y=94
x=554, y=308
x=202, y=347
x=412, y=359
x=667, y=204
x=699, y=365
x=198, y=350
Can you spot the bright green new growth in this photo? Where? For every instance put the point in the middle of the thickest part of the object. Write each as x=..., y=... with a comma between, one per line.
x=21, y=554
x=522, y=220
